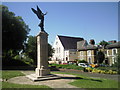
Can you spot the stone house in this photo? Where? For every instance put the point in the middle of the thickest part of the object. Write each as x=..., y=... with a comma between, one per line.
x=72, y=48
x=65, y=48
x=112, y=51
x=87, y=52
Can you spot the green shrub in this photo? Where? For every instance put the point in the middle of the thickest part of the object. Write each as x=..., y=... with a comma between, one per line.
x=28, y=60
x=94, y=70
x=17, y=57
x=67, y=66
x=111, y=72
x=114, y=72
x=89, y=69
x=82, y=61
x=108, y=68
x=102, y=71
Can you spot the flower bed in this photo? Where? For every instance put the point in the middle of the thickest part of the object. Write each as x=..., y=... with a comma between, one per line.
x=94, y=70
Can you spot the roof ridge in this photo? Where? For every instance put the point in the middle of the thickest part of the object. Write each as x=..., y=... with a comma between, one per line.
x=69, y=42
x=68, y=36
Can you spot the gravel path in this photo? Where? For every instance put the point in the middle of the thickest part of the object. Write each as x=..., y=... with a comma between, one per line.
x=94, y=75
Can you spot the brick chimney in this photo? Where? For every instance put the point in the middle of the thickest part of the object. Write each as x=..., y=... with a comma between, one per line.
x=112, y=41
x=92, y=42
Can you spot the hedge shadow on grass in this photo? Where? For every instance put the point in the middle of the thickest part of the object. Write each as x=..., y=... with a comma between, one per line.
x=15, y=65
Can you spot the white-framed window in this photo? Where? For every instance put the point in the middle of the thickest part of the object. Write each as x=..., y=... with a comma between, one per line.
x=89, y=60
x=56, y=43
x=89, y=52
x=56, y=50
x=59, y=49
x=113, y=60
x=114, y=52
x=81, y=53
x=105, y=52
x=108, y=52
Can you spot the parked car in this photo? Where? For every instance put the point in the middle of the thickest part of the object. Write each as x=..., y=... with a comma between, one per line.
x=65, y=63
x=72, y=62
x=93, y=65
x=103, y=65
x=82, y=64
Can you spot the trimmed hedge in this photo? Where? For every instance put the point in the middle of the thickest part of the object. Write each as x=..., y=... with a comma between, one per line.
x=67, y=66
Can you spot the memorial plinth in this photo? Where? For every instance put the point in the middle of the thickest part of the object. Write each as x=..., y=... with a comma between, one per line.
x=42, y=54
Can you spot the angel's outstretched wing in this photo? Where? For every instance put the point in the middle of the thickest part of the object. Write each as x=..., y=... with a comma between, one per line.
x=38, y=12
x=34, y=10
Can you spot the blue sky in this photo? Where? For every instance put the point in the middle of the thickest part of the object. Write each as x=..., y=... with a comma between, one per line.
x=89, y=20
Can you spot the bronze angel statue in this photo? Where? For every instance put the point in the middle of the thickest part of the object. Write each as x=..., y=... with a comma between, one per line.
x=40, y=15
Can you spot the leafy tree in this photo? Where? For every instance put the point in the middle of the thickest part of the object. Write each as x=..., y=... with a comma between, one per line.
x=14, y=33
x=50, y=50
x=103, y=43
x=82, y=61
x=31, y=49
x=100, y=57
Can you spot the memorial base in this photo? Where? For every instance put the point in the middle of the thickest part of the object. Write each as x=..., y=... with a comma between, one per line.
x=42, y=72
x=34, y=77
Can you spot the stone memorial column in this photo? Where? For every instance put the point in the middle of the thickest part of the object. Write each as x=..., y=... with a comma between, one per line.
x=42, y=71
x=42, y=55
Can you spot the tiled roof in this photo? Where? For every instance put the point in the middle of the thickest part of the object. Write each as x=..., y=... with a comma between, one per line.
x=83, y=45
x=115, y=45
x=69, y=42
x=91, y=47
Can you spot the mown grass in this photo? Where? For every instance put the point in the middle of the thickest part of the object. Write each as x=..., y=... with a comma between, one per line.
x=81, y=82
x=95, y=83
x=10, y=74
x=87, y=82
x=12, y=85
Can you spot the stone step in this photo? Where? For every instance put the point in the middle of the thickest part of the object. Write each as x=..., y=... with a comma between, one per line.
x=33, y=77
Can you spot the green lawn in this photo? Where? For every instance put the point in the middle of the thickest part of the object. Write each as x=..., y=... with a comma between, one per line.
x=87, y=82
x=10, y=74
x=82, y=82
x=95, y=83
x=12, y=85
